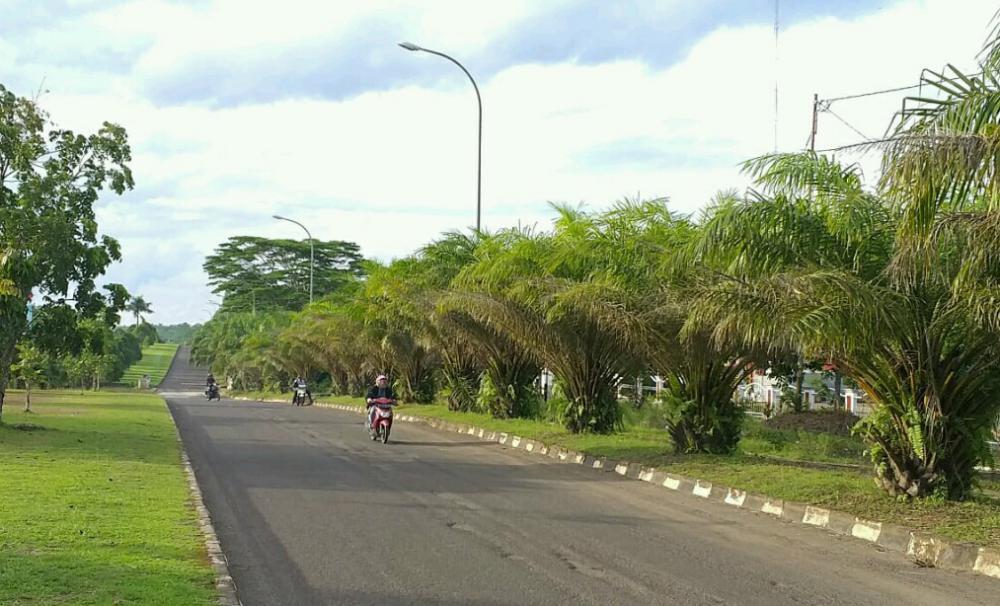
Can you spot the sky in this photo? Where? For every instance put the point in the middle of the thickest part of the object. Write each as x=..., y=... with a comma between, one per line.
x=238, y=110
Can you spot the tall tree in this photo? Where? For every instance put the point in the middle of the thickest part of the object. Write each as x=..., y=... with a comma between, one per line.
x=50, y=180
x=29, y=369
x=259, y=274
x=137, y=306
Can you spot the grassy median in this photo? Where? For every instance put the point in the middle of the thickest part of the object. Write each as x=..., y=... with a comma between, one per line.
x=95, y=507
x=155, y=362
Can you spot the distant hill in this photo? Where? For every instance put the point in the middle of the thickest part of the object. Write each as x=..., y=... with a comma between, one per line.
x=177, y=333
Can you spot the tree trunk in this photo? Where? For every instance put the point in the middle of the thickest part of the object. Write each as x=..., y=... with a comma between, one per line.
x=837, y=385
x=27, y=396
x=5, y=362
x=800, y=376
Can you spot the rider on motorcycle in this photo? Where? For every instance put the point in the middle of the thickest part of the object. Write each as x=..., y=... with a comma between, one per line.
x=296, y=384
x=381, y=389
x=211, y=387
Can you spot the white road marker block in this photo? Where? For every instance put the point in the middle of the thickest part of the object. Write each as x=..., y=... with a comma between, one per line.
x=646, y=475
x=702, y=489
x=816, y=516
x=672, y=483
x=866, y=530
x=736, y=497
x=516, y=441
x=530, y=447
x=621, y=469
x=775, y=508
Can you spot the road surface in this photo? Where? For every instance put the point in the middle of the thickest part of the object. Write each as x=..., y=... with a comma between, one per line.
x=310, y=511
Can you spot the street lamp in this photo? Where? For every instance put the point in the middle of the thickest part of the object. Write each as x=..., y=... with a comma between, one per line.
x=479, y=169
x=311, y=257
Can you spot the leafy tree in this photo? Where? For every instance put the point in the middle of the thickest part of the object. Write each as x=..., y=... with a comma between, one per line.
x=552, y=296
x=138, y=306
x=50, y=179
x=29, y=369
x=875, y=286
x=146, y=333
x=259, y=274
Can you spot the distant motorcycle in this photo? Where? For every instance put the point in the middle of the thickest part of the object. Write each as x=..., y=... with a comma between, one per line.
x=212, y=392
x=300, y=395
x=381, y=423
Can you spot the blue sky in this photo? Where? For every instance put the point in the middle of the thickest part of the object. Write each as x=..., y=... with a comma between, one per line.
x=239, y=110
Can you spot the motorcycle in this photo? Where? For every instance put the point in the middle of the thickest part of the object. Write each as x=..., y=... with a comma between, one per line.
x=299, y=397
x=381, y=423
x=212, y=392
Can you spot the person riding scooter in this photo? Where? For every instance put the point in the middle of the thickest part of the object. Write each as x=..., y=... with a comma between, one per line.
x=300, y=383
x=381, y=390
x=211, y=387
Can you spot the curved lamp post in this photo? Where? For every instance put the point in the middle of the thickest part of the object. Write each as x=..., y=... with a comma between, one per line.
x=479, y=168
x=311, y=257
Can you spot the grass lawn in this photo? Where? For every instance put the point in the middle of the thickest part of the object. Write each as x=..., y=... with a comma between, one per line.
x=977, y=520
x=155, y=362
x=95, y=507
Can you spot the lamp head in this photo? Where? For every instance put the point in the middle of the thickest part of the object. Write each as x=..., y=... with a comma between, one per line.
x=410, y=46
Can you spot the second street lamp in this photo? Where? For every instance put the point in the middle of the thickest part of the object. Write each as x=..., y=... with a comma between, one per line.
x=311, y=257
x=479, y=162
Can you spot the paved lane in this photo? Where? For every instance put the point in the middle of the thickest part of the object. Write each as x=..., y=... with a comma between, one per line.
x=309, y=511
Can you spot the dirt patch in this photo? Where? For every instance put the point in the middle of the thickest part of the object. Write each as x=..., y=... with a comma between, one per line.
x=838, y=423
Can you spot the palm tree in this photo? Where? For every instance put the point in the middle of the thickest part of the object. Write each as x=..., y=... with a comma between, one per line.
x=897, y=286
x=564, y=300
x=138, y=306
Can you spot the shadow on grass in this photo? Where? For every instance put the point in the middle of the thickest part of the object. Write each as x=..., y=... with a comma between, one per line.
x=140, y=575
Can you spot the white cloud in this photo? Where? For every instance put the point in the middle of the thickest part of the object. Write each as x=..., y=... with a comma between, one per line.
x=393, y=168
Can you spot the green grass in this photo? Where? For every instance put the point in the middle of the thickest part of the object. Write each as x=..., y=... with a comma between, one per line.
x=977, y=520
x=155, y=362
x=94, y=507
x=801, y=445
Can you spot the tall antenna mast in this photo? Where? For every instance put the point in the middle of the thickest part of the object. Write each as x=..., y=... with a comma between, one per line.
x=776, y=71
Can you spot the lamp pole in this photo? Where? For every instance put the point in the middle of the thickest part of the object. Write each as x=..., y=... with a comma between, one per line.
x=311, y=255
x=479, y=162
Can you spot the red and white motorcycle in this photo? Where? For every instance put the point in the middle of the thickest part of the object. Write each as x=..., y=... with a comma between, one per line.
x=381, y=420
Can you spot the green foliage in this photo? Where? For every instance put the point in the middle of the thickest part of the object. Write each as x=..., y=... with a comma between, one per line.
x=146, y=333
x=896, y=286
x=138, y=306
x=181, y=334
x=711, y=429
x=50, y=180
x=259, y=274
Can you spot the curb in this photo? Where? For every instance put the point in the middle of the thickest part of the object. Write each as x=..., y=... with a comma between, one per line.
x=224, y=584
x=924, y=549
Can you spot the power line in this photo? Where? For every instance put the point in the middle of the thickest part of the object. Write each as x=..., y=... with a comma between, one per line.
x=887, y=90
x=846, y=123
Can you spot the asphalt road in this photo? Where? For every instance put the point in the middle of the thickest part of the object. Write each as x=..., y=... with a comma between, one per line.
x=310, y=511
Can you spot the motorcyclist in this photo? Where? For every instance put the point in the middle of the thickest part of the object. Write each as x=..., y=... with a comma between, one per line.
x=297, y=383
x=210, y=385
x=381, y=389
